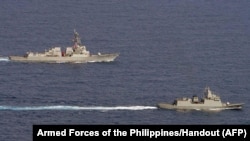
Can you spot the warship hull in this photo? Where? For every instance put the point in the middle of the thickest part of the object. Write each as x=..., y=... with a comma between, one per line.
x=200, y=107
x=66, y=59
x=210, y=101
x=77, y=53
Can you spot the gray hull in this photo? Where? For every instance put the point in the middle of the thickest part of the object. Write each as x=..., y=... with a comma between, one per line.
x=67, y=59
x=210, y=101
x=77, y=53
x=199, y=107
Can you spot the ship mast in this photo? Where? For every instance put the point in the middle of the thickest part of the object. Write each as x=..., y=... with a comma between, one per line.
x=76, y=40
x=78, y=48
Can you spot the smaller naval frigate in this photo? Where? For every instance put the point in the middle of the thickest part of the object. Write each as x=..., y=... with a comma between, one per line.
x=210, y=101
x=74, y=54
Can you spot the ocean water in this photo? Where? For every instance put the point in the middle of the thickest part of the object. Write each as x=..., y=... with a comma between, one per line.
x=168, y=49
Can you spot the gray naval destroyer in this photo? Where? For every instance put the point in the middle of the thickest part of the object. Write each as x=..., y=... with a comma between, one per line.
x=74, y=54
x=210, y=101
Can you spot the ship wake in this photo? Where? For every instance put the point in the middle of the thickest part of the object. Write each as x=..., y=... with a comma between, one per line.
x=4, y=59
x=64, y=107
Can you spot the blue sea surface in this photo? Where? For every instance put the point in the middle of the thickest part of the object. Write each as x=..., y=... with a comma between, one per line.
x=168, y=49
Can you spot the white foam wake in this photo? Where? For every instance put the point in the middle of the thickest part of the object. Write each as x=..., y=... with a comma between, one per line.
x=61, y=107
x=4, y=59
